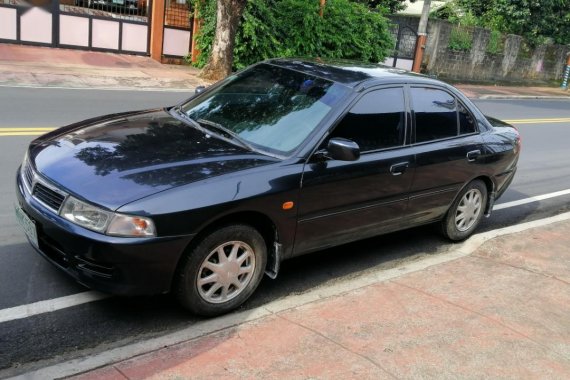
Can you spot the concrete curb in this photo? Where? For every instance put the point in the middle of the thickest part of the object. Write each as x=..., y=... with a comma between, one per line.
x=150, y=89
x=86, y=364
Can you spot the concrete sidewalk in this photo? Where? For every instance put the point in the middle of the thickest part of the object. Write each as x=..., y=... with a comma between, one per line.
x=31, y=66
x=501, y=312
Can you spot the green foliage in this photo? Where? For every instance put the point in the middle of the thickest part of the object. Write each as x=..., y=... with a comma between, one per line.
x=293, y=28
x=537, y=21
x=351, y=31
x=255, y=39
x=460, y=39
x=392, y=6
x=496, y=43
x=205, y=38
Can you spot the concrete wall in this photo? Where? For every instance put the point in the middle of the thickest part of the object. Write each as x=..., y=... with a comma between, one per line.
x=514, y=61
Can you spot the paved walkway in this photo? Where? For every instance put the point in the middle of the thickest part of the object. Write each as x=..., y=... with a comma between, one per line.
x=500, y=313
x=48, y=67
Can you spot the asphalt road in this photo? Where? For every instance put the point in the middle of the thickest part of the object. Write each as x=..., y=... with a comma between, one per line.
x=25, y=277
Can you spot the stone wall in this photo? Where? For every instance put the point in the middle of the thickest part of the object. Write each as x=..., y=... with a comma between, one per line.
x=510, y=60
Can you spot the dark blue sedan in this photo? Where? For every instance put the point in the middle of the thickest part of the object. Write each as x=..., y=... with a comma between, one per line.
x=281, y=159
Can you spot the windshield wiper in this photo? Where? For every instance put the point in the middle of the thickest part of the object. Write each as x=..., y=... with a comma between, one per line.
x=226, y=131
x=182, y=114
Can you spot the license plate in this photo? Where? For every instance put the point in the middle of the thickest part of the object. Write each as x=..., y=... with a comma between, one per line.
x=28, y=225
x=119, y=2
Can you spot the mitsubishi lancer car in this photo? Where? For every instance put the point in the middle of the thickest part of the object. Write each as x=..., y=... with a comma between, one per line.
x=281, y=159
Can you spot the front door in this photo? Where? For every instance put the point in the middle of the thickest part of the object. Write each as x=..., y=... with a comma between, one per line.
x=345, y=201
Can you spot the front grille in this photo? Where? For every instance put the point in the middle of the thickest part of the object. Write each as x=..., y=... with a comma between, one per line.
x=47, y=196
x=29, y=175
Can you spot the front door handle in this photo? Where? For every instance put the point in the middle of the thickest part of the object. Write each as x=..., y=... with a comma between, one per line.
x=472, y=156
x=399, y=168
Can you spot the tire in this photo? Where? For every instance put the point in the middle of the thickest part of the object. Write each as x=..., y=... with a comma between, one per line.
x=242, y=253
x=466, y=212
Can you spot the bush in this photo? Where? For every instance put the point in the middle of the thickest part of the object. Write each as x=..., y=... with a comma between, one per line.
x=460, y=39
x=293, y=28
x=496, y=44
x=204, y=39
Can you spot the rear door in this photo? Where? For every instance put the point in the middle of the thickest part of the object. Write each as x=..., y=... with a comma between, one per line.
x=344, y=201
x=448, y=150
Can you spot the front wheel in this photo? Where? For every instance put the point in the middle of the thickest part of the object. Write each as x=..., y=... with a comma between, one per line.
x=222, y=271
x=466, y=212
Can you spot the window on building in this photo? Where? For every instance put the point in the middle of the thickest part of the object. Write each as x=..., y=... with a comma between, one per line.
x=376, y=121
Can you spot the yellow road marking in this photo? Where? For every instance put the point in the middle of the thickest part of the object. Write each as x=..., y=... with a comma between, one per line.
x=21, y=133
x=24, y=129
x=539, y=121
x=36, y=131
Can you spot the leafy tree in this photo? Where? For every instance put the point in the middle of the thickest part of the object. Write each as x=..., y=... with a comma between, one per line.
x=228, y=17
x=293, y=28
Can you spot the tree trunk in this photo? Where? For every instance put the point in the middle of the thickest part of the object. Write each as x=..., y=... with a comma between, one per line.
x=221, y=58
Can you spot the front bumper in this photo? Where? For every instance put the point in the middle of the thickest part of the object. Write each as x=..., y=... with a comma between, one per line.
x=116, y=265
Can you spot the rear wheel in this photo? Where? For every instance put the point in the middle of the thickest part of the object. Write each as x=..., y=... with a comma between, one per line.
x=222, y=271
x=466, y=212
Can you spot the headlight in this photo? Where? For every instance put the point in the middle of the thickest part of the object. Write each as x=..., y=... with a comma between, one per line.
x=99, y=220
x=85, y=215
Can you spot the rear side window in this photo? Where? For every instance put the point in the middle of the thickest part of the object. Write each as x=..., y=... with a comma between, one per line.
x=466, y=121
x=435, y=114
x=376, y=121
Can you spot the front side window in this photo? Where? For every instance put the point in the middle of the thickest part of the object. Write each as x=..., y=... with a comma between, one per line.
x=435, y=114
x=270, y=107
x=376, y=121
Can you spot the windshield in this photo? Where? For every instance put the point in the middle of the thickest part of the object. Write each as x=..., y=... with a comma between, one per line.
x=269, y=107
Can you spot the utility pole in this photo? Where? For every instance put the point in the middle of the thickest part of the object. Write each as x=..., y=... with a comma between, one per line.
x=422, y=37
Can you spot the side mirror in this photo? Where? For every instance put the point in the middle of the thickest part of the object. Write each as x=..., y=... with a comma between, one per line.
x=342, y=150
x=199, y=90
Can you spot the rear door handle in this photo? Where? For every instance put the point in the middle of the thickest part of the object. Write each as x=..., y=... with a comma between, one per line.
x=472, y=156
x=399, y=168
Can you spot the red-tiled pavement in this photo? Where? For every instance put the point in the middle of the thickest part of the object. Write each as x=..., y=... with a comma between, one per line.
x=502, y=312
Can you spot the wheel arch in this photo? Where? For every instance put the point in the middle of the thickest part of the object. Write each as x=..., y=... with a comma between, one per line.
x=489, y=184
x=261, y=222
x=490, y=192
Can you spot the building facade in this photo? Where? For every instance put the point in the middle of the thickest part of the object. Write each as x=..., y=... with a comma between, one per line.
x=161, y=29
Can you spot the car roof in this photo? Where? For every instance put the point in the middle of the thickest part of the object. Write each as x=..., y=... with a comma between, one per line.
x=352, y=73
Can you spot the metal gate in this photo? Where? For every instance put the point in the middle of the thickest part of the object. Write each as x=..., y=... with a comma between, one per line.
x=119, y=26
x=177, y=35
x=404, y=50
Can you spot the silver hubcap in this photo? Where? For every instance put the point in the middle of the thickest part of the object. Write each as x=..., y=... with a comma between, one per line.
x=468, y=210
x=226, y=272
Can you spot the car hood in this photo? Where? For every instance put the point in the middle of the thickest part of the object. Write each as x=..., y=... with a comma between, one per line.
x=115, y=160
